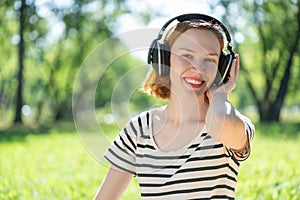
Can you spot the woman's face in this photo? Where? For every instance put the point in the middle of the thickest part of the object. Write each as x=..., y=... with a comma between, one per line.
x=194, y=61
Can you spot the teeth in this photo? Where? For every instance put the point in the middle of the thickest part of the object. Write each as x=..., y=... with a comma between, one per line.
x=193, y=81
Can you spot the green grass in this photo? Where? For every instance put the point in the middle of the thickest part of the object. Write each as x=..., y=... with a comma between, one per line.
x=273, y=169
x=48, y=163
x=52, y=163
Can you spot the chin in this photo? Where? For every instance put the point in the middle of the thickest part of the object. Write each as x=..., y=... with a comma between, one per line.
x=196, y=92
x=201, y=92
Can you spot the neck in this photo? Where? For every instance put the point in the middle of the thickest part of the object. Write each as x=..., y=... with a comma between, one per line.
x=186, y=109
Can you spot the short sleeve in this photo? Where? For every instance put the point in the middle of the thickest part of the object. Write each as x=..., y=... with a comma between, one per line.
x=244, y=153
x=121, y=152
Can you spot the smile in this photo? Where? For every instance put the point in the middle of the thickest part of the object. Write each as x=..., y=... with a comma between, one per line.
x=194, y=82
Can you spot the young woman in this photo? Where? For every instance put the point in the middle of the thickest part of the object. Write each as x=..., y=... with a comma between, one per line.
x=192, y=147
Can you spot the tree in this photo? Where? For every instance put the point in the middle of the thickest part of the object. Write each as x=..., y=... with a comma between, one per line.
x=46, y=65
x=21, y=28
x=83, y=30
x=277, y=25
x=86, y=24
x=21, y=49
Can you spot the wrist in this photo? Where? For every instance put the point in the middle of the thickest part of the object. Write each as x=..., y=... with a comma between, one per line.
x=218, y=97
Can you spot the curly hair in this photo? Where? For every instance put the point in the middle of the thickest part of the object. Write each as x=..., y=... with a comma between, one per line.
x=159, y=86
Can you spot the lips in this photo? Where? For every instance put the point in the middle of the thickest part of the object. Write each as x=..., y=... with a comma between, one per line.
x=194, y=82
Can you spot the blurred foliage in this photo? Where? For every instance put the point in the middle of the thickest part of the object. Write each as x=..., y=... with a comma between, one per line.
x=267, y=36
x=59, y=36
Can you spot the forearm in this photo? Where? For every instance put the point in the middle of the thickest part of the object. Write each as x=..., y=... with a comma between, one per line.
x=224, y=124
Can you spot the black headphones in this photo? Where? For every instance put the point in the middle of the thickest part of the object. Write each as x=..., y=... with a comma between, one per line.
x=159, y=51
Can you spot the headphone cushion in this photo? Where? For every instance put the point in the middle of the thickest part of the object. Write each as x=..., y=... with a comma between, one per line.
x=224, y=66
x=161, y=58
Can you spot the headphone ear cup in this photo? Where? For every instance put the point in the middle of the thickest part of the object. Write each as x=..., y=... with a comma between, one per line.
x=225, y=62
x=153, y=56
x=160, y=58
x=165, y=59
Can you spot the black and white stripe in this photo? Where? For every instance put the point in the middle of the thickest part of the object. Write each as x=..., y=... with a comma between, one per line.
x=204, y=169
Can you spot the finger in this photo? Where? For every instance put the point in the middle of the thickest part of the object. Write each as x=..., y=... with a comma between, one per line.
x=237, y=64
x=235, y=68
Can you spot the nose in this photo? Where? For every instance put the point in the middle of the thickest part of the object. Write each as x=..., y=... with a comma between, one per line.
x=198, y=66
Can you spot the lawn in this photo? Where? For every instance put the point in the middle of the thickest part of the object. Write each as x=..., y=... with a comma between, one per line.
x=52, y=163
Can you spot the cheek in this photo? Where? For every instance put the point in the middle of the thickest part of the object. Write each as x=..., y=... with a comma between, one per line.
x=179, y=65
x=212, y=70
x=177, y=68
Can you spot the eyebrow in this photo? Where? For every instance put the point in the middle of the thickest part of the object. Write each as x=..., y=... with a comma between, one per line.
x=190, y=50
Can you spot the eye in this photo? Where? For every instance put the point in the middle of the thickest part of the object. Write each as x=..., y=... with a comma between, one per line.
x=187, y=56
x=210, y=60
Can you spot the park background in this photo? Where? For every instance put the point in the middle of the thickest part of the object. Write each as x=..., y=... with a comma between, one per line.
x=45, y=42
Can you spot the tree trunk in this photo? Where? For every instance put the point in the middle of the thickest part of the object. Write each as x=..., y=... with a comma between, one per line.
x=21, y=51
x=273, y=113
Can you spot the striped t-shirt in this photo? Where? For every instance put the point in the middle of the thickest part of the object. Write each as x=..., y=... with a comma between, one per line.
x=203, y=169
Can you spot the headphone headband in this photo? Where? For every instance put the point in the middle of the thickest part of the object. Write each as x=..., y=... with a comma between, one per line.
x=186, y=17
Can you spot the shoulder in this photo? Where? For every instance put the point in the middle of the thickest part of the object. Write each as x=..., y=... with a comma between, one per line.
x=143, y=118
x=140, y=124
